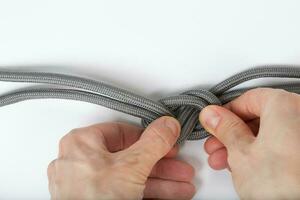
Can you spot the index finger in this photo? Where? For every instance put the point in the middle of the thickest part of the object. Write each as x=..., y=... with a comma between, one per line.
x=251, y=104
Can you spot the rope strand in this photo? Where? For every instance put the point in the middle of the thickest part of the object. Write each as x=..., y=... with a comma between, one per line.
x=185, y=106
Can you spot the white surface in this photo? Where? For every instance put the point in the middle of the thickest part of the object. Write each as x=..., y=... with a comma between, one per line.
x=155, y=48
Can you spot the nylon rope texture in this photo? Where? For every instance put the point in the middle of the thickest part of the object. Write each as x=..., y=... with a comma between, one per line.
x=185, y=106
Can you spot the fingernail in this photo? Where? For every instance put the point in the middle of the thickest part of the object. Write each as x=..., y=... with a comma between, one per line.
x=172, y=124
x=210, y=117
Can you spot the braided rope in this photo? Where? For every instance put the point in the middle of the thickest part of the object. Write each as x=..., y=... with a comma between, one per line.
x=185, y=106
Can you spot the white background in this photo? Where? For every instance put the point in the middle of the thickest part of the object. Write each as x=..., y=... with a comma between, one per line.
x=154, y=48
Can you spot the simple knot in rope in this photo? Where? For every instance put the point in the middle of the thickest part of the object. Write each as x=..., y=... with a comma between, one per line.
x=185, y=107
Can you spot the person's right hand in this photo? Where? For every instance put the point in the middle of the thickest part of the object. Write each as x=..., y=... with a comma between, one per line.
x=257, y=136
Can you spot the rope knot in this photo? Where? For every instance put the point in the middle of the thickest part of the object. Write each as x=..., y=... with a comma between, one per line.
x=186, y=108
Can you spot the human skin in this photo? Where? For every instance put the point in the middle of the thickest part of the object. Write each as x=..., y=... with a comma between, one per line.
x=257, y=137
x=120, y=161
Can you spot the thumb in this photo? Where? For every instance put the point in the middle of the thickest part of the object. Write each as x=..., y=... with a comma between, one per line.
x=232, y=131
x=156, y=141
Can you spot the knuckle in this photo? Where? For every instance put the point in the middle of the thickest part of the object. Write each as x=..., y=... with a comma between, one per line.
x=266, y=97
x=228, y=129
x=261, y=91
x=74, y=132
x=133, y=159
x=51, y=169
x=69, y=138
x=281, y=97
x=279, y=94
x=274, y=98
x=229, y=125
x=64, y=141
x=161, y=136
x=135, y=163
x=62, y=145
x=254, y=92
x=56, y=168
x=53, y=172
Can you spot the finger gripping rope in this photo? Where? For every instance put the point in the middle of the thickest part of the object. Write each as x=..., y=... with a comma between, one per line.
x=185, y=106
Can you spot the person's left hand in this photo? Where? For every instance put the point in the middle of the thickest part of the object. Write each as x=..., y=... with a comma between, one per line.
x=112, y=161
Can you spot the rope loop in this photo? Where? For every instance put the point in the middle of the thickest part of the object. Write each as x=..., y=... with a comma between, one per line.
x=186, y=108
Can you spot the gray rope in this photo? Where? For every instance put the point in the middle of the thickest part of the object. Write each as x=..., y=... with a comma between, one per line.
x=185, y=106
